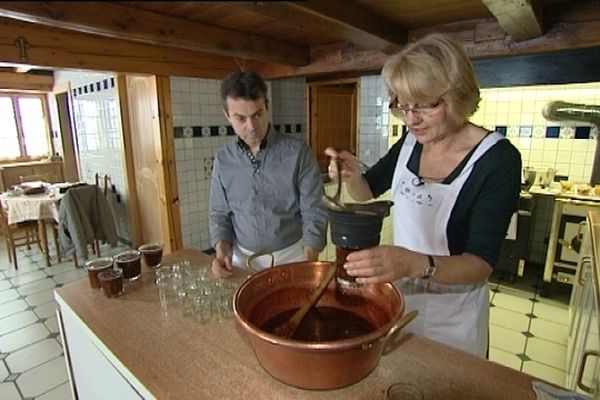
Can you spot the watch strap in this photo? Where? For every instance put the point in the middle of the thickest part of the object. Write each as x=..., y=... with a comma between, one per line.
x=430, y=269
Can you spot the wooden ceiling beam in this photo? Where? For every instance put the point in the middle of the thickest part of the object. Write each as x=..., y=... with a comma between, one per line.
x=62, y=49
x=27, y=82
x=343, y=18
x=122, y=22
x=521, y=19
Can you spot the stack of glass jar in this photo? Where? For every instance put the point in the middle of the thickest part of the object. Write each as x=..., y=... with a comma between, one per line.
x=191, y=290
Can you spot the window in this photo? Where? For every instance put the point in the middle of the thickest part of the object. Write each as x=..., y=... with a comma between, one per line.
x=23, y=127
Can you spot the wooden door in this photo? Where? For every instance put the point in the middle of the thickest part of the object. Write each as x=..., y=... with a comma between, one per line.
x=68, y=139
x=333, y=115
x=145, y=163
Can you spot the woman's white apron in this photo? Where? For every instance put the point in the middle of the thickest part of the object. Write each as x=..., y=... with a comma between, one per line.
x=457, y=315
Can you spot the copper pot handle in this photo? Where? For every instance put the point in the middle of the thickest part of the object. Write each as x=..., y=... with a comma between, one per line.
x=256, y=255
x=400, y=322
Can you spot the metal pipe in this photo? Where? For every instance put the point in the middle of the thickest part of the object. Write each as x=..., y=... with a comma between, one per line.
x=563, y=111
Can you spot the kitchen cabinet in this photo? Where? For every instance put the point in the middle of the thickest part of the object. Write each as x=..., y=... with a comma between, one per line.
x=583, y=348
x=10, y=173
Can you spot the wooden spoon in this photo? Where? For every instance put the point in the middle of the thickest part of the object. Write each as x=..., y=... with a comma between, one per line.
x=288, y=328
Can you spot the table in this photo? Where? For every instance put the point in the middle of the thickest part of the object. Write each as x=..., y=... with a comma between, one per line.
x=126, y=346
x=36, y=207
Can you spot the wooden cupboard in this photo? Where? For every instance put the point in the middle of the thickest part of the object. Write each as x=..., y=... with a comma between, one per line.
x=10, y=174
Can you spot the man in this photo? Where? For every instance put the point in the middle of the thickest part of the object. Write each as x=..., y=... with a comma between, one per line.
x=266, y=187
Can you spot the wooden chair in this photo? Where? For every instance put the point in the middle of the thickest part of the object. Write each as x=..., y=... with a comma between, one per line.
x=18, y=235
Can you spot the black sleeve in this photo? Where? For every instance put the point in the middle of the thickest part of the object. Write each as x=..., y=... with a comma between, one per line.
x=492, y=195
x=379, y=176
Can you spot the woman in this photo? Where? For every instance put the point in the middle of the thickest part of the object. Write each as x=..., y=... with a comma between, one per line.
x=455, y=187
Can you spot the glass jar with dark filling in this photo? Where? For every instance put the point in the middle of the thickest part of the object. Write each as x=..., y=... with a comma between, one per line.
x=130, y=263
x=152, y=254
x=94, y=267
x=111, y=282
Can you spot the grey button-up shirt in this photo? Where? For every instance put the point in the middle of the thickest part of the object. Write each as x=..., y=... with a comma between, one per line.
x=271, y=204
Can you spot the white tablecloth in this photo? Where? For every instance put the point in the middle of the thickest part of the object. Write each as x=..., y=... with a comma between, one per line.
x=31, y=207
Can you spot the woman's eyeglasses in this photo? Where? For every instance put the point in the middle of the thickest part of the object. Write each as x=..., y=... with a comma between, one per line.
x=419, y=110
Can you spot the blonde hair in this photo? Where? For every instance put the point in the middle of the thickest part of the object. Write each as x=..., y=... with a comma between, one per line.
x=435, y=66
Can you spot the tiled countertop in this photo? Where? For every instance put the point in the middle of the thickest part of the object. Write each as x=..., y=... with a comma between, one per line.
x=177, y=358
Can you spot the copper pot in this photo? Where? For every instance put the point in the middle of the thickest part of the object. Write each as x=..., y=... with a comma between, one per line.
x=315, y=365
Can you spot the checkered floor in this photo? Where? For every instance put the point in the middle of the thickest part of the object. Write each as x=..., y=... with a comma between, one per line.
x=32, y=364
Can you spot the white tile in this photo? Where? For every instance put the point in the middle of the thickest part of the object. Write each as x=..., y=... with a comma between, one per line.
x=8, y=391
x=5, y=285
x=507, y=339
x=62, y=392
x=550, y=312
x=70, y=276
x=8, y=295
x=17, y=321
x=22, y=337
x=40, y=379
x=546, y=352
x=46, y=310
x=505, y=358
x=52, y=324
x=3, y=372
x=12, y=307
x=36, y=287
x=509, y=319
x=514, y=303
x=548, y=330
x=545, y=372
x=22, y=279
x=32, y=356
x=40, y=297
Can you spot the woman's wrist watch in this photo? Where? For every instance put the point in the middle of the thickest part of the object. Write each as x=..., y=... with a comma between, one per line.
x=429, y=270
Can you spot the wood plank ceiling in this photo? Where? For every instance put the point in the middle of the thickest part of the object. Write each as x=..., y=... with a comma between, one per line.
x=279, y=39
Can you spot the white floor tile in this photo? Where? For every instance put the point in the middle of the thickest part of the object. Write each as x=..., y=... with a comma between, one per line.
x=505, y=358
x=70, y=276
x=8, y=295
x=509, y=319
x=40, y=297
x=23, y=337
x=545, y=352
x=17, y=321
x=514, y=292
x=32, y=356
x=3, y=372
x=549, y=330
x=552, y=312
x=8, y=391
x=46, y=310
x=545, y=372
x=59, y=268
x=62, y=392
x=514, y=303
x=36, y=287
x=4, y=285
x=506, y=339
x=52, y=324
x=22, y=279
x=42, y=378
x=12, y=307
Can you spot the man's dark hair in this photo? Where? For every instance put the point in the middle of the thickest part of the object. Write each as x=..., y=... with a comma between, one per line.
x=245, y=84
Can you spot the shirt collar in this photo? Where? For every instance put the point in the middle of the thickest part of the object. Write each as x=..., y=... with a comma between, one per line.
x=263, y=143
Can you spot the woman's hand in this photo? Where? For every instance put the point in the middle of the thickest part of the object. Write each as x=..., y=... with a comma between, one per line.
x=348, y=163
x=384, y=264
